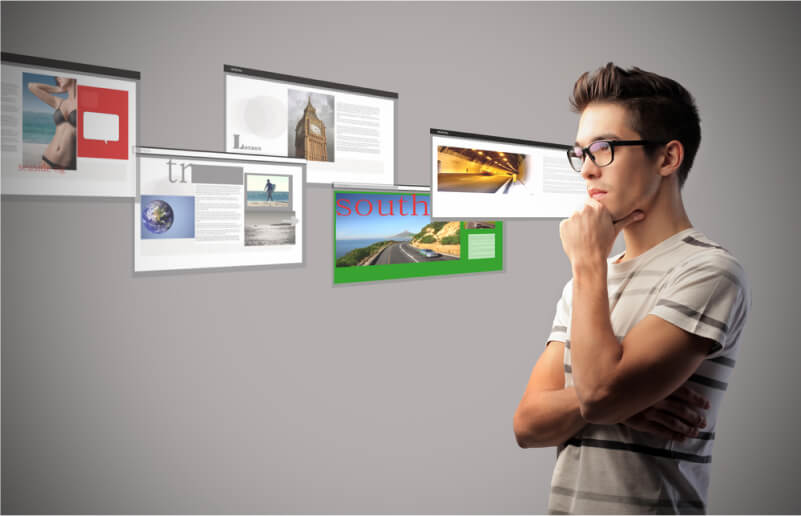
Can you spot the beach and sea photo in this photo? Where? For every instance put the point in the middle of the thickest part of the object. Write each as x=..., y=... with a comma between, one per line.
x=38, y=126
x=265, y=228
x=268, y=191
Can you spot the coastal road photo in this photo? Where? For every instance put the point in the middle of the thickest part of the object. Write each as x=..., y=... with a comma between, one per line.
x=405, y=253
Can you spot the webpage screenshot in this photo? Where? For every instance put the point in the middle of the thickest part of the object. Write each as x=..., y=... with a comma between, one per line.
x=345, y=133
x=389, y=234
x=201, y=209
x=67, y=128
x=477, y=176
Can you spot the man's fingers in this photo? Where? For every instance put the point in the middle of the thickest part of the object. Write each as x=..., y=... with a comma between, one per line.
x=682, y=411
x=642, y=424
x=677, y=417
x=688, y=395
x=635, y=216
x=671, y=422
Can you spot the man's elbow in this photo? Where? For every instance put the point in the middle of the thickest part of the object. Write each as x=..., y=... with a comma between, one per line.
x=528, y=440
x=522, y=442
x=598, y=408
x=527, y=434
x=521, y=432
x=523, y=435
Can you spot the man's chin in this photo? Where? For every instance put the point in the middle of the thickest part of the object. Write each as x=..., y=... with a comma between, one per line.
x=622, y=215
x=617, y=214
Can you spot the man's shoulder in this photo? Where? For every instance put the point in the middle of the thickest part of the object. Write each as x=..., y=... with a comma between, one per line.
x=686, y=251
x=702, y=254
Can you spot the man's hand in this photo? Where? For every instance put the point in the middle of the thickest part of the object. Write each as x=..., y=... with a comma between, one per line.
x=589, y=234
x=676, y=417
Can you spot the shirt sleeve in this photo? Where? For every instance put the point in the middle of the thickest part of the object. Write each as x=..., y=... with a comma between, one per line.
x=708, y=297
x=561, y=321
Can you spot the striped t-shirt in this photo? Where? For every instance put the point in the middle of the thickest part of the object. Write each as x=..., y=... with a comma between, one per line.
x=695, y=284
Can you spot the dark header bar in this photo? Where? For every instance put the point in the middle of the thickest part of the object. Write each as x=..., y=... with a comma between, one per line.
x=309, y=82
x=501, y=139
x=233, y=155
x=68, y=65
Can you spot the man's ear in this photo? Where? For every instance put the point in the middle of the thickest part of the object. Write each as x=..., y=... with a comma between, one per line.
x=672, y=158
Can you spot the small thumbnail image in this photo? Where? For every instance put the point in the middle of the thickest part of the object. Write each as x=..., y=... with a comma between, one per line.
x=478, y=171
x=479, y=225
x=311, y=125
x=49, y=121
x=268, y=191
x=168, y=216
x=265, y=228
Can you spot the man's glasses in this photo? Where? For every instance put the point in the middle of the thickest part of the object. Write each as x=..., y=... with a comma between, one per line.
x=601, y=152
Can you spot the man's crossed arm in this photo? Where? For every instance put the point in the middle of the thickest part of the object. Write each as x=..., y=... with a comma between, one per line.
x=549, y=414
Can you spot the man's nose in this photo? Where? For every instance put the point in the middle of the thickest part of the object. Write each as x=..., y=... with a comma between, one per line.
x=589, y=170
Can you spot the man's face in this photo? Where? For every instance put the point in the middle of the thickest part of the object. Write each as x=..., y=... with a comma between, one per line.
x=632, y=180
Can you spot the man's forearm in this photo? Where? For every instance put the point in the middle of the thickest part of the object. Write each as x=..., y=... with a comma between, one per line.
x=595, y=350
x=548, y=418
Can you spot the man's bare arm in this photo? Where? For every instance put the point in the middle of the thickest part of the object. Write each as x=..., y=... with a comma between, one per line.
x=549, y=413
x=615, y=380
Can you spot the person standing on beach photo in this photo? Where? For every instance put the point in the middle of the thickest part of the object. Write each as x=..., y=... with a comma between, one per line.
x=269, y=188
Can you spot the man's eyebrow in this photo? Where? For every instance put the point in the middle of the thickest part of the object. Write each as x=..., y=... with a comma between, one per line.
x=608, y=136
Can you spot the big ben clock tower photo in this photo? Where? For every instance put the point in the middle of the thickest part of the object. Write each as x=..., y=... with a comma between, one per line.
x=310, y=137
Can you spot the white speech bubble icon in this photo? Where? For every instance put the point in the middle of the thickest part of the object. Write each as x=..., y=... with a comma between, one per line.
x=101, y=126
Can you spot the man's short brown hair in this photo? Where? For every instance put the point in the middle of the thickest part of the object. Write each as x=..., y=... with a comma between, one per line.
x=660, y=109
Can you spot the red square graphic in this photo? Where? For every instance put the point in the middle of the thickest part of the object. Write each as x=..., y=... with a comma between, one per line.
x=97, y=108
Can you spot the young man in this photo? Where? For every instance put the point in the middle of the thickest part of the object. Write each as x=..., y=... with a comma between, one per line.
x=631, y=379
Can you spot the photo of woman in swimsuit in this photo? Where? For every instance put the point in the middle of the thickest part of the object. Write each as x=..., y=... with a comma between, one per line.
x=50, y=122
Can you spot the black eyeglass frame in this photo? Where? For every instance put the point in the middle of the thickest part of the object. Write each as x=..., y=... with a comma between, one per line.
x=585, y=151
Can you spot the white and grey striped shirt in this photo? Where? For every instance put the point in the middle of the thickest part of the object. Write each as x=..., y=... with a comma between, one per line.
x=695, y=284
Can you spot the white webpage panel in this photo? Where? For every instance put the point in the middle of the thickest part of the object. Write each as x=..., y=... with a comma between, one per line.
x=67, y=131
x=199, y=210
x=346, y=134
x=476, y=177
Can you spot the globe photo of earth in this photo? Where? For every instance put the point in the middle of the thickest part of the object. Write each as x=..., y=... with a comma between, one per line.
x=157, y=216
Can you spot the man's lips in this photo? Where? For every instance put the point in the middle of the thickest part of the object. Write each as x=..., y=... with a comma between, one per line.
x=597, y=193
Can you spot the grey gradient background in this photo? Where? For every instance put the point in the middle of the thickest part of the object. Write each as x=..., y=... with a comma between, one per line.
x=269, y=390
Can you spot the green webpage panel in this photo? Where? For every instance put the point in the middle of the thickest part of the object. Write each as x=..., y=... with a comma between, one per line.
x=390, y=235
